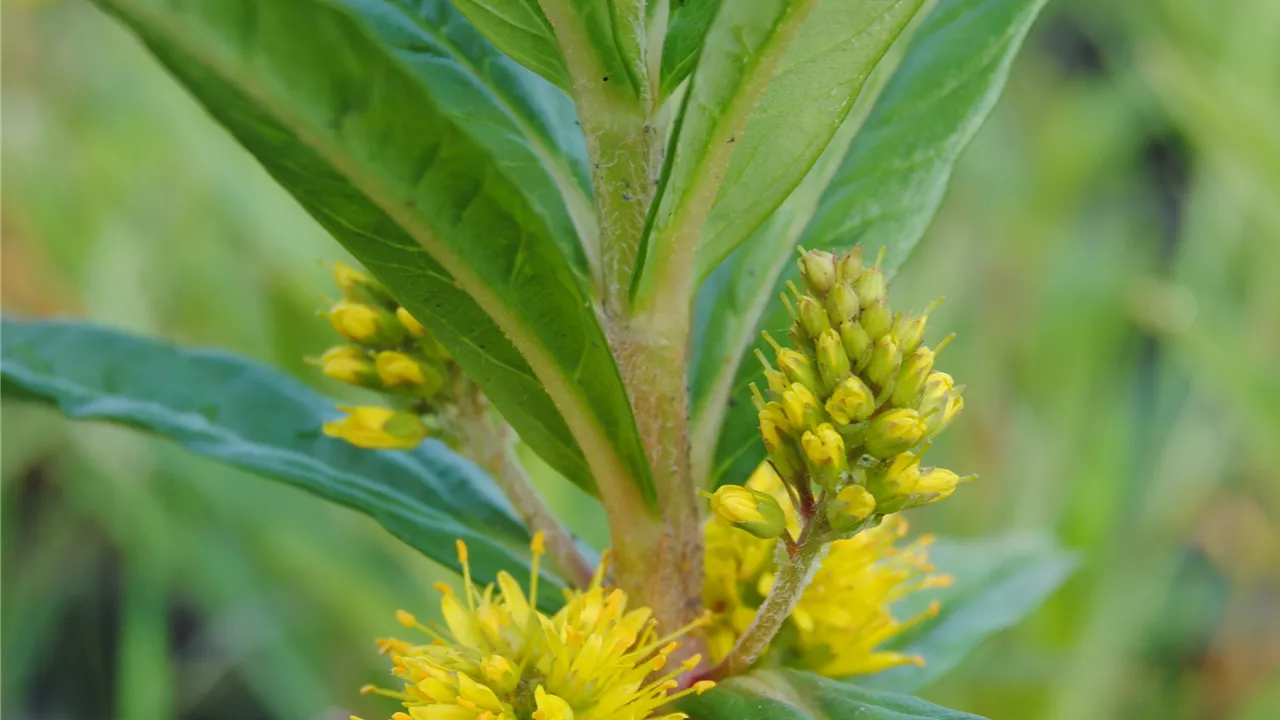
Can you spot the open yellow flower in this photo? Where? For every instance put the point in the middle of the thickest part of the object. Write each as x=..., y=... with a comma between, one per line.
x=845, y=614
x=500, y=658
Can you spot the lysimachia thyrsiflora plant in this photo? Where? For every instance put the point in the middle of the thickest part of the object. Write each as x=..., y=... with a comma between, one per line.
x=575, y=219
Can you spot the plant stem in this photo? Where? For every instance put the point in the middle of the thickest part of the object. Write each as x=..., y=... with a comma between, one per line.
x=787, y=589
x=651, y=359
x=489, y=442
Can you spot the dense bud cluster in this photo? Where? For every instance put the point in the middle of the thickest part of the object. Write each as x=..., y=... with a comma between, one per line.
x=853, y=399
x=389, y=351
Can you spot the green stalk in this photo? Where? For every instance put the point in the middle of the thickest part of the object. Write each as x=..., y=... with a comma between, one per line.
x=788, y=588
x=489, y=442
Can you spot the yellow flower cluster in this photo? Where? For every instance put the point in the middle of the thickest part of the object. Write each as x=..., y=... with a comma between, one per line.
x=389, y=351
x=854, y=397
x=500, y=658
x=843, y=616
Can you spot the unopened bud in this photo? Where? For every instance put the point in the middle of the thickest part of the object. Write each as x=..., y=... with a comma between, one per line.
x=755, y=512
x=775, y=430
x=802, y=407
x=940, y=402
x=813, y=318
x=410, y=323
x=894, y=432
x=501, y=674
x=938, y=482
x=347, y=364
x=842, y=302
x=359, y=287
x=871, y=286
x=797, y=367
x=365, y=324
x=849, y=266
x=378, y=428
x=777, y=381
x=892, y=485
x=833, y=363
x=885, y=361
x=857, y=343
x=909, y=330
x=824, y=448
x=849, y=508
x=876, y=319
x=818, y=268
x=851, y=402
x=398, y=370
x=911, y=378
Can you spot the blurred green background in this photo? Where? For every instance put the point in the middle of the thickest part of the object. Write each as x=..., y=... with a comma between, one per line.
x=1110, y=251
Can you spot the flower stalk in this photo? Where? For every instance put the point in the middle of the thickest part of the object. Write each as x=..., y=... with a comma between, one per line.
x=804, y=558
x=489, y=442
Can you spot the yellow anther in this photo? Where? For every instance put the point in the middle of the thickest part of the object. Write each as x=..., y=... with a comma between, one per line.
x=406, y=618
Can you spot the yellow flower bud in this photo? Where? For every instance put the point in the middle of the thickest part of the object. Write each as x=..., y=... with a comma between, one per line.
x=410, y=323
x=940, y=402
x=911, y=378
x=378, y=428
x=851, y=402
x=893, y=432
x=778, y=382
x=775, y=430
x=502, y=674
x=842, y=302
x=833, y=363
x=910, y=331
x=752, y=511
x=801, y=407
x=939, y=482
x=857, y=343
x=876, y=320
x=813, y=318
x=359, y=287
x=365, y=324
x=347, y=364
x=398, y=370
x=818, y=268
x=797, y=367
x=871, y=286
x=849, y=266
x=824, y=449
x=849, y=507
x=893, y=484
x=885, y=360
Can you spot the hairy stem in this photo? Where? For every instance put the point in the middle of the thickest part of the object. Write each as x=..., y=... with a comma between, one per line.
x=652, y=360
x=787, y=589
x=489, y=442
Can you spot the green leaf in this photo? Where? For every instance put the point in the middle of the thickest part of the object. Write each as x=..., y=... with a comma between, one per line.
x=602, y=42
x=998, y=581
x=809, y=97
x=795, y=695
x=740, y=55
x=686, y=30
x=365, y=133
x=890, y=181
x=519, y=29
x=894, y=177
x=258, y=419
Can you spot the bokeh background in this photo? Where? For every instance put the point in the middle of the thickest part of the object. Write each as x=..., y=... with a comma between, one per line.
x=1110, y=251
